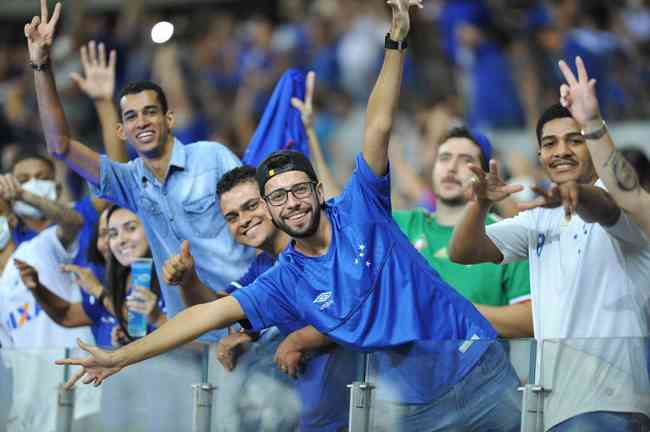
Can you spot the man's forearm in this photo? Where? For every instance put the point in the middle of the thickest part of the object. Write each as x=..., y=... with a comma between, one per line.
x=381, y=110
x=595, y=205
x=55, y=127
x=469, y=243
x=196, y=292
x=108, y=118
x=511, y=321
x=183, y=328
x=69, y=221
x=308, y=338
x=330, y=184
x=54, y=306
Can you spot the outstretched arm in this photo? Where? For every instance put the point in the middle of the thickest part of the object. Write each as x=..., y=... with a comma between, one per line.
x=385, y=94
x=184, y=327
x=68, y=221
x=60, y=310
x=40, y=34
x=306, y=108
x=578, y=95
x=469, y=243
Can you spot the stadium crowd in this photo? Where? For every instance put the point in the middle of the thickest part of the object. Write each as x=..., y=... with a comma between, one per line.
x=296, y=182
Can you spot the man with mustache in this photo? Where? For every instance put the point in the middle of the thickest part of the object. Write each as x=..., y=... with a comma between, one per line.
x=351, y=273
x=590, y=273
x=501, y=293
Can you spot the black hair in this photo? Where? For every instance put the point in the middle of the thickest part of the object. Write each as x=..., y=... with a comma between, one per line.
x=26, y=155
x=282, y=161
x=464, y=132
x=235, y=177
x=140, y=86
x=92, y=253
x=116, y=277
x=553, y=112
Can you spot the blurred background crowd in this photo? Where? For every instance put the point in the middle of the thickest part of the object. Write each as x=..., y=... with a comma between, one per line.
x=489, y=63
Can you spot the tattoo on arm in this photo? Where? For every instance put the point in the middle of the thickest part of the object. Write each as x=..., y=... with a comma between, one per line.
x=624, y=173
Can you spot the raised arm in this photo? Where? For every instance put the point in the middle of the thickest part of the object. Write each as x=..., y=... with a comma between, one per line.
x=384, y=97
x=40, y=34
x=69, y=222
x=184, y=327
x=61, y=311
x=578, y=95
x=469, y=243
x=306, y=108
x=98, y=83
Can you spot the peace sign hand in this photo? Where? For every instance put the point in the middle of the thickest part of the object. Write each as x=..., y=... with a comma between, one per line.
x=579, y=95
x=306, y=107
x=40, y=33
x=401, y=20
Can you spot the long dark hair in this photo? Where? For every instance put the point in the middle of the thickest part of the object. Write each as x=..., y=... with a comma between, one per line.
x=116, y=280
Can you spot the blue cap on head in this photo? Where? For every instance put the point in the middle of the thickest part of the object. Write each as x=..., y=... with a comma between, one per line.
x=484, y=143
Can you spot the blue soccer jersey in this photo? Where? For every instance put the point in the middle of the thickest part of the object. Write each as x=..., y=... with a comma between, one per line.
x=372, y=289
x=322, y=382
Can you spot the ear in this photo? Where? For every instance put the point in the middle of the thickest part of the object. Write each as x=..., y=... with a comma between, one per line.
x=119, y=130
x=12, y=220
x=170, y=118
x=320, y=190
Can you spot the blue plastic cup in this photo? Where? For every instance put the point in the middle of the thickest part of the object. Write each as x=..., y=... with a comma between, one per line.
x=141, y=277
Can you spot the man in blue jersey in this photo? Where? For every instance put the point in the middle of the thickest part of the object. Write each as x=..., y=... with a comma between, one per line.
x=321, y=385
x=351, y=273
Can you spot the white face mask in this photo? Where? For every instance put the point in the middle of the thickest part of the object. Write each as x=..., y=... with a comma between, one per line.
x=5, y=232
x=42, y=188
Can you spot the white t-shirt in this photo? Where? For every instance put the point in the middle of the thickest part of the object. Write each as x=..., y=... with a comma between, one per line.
x=587, y=282
x=27, y=325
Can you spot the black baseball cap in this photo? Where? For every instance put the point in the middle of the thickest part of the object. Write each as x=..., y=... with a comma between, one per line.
x=282, y=161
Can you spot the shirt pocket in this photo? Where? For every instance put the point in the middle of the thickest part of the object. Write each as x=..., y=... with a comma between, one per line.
x=151, y=214
x=203, y=215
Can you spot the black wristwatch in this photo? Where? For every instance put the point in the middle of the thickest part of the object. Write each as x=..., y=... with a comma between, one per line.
x=40, y=67
x=393, y=44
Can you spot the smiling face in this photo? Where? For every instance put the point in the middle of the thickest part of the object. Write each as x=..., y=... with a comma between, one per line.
x=298, y=216
x=126, y=237
x=144, y=124
x=451, y=172
x=564, y=153
x=244, y=211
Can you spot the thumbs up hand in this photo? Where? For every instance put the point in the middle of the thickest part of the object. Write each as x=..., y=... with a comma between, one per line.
x=179, y=269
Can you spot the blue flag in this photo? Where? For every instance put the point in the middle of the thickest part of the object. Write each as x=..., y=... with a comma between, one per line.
x=280, y=127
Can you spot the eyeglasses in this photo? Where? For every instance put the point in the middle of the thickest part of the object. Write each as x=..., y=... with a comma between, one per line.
x=300, y=190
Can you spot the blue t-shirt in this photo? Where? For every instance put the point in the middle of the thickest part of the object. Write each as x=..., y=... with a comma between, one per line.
x=372, y=290
x=322, y=383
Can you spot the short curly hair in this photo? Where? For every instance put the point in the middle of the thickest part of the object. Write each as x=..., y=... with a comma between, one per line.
x=234, y=177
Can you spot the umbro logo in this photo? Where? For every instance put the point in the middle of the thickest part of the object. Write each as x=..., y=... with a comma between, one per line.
x=324, y=299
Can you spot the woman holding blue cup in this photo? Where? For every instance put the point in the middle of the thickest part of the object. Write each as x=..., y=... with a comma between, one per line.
x=128, y=254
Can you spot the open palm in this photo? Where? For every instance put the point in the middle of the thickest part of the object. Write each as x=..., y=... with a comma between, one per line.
x=40, y=33
x=490, y=187
x=98, y=81
x=96, y=367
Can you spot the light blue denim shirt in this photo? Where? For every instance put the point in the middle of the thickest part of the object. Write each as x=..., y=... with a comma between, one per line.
x=182, y=207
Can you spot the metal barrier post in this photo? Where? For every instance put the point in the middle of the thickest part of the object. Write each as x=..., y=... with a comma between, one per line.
x=532, y=408
x=360, y=400
x=202, y=411
x=65, y=402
